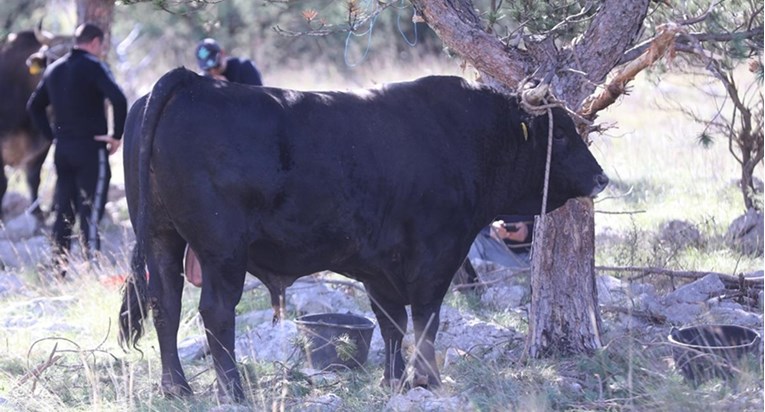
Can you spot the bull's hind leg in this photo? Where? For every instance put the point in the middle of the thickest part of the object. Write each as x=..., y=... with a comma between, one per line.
x=222, y=283
x=3, y=183
x=392, y=318
x=33, y=170
x=165, y=257
x=425, y=320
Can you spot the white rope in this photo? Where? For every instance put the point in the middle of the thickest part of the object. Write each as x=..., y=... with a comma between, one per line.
x=547, y=173
x=549, y=158
x=548, y=103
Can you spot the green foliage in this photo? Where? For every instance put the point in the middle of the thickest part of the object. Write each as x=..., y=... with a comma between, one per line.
x=345, y=347
x=568, y=18
x=705, y=140
x=726, y=17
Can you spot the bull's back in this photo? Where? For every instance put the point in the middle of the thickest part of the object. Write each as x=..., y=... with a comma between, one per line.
x=273, y=135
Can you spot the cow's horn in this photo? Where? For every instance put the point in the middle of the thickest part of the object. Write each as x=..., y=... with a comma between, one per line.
x=41, y=35
x=533, y=96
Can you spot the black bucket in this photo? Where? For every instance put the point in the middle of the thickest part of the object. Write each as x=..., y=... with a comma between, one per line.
x=336, y=340
x=712, y=351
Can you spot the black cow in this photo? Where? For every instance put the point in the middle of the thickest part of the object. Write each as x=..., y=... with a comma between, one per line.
x=388, y=186
x=23, y=57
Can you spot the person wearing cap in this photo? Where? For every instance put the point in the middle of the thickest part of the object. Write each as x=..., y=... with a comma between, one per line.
x=214, y=63
x=76, y=87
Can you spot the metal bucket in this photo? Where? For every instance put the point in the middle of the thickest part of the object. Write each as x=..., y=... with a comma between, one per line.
x=335, y=340
x=712, y=351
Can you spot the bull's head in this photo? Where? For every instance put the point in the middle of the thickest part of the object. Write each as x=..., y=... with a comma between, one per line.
x=52, y=48
x=574, y=172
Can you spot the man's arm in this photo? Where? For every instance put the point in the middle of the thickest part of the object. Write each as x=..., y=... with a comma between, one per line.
x=110, y=89
x=37, y=108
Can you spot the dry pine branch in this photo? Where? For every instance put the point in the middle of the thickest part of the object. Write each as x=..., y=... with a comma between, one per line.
x=728, y=280
x=660, y=44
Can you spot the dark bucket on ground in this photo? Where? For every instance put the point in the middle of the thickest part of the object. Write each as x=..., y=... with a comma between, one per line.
x=336, y=340
x=712, y=351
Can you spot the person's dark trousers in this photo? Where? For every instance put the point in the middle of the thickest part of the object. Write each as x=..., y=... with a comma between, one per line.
x=82, y=183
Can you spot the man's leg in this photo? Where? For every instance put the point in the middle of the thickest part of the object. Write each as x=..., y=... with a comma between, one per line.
x=65, y=197
x=93, y=183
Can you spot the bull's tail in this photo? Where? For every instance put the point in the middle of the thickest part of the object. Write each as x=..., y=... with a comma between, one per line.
x=133, y=310
x=134, y=299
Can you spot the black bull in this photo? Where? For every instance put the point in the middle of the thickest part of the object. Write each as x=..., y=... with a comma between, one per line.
x=387, y=186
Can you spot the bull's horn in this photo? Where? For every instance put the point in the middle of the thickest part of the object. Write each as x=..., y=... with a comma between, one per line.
x=533, y=96
x=41, y=35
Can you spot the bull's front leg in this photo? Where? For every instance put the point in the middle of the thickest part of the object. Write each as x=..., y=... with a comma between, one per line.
x=165, y=290
x=222, y=284
x=392, y=319
x=425, y=320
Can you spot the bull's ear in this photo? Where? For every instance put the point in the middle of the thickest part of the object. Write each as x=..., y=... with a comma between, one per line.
x=35, y=69
x=36, y=63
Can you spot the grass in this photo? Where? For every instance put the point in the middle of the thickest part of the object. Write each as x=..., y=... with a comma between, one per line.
x=66, y=331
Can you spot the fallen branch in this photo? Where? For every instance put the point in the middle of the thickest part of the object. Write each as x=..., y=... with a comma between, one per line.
x=39, y=369
x=653, y=317
x=608, y=212
x=748, y=297
x=350, y=283
x=729, y=280
x=476, y=285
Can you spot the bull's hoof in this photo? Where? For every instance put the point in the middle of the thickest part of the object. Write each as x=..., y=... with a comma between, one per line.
x=39, y=215
x=225, y=398
x=176, y=391
x=420, y=380
x=425, y=381
x=231, y=395
x=395, y=385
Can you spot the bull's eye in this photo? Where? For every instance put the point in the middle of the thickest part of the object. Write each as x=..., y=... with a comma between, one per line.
x=558, y=134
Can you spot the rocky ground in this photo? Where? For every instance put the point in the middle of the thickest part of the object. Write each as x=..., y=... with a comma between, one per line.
x=626, y=306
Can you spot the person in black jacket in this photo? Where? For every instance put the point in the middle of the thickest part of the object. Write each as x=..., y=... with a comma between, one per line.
x=213, y=62
x=76, y=87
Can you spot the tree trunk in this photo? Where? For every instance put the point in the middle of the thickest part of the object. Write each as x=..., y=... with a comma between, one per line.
x=100, y=13
x=564, y=316
x=564, y=313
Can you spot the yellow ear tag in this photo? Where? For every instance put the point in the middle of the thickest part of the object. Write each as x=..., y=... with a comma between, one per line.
x=35, y=69
x=525, y=132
